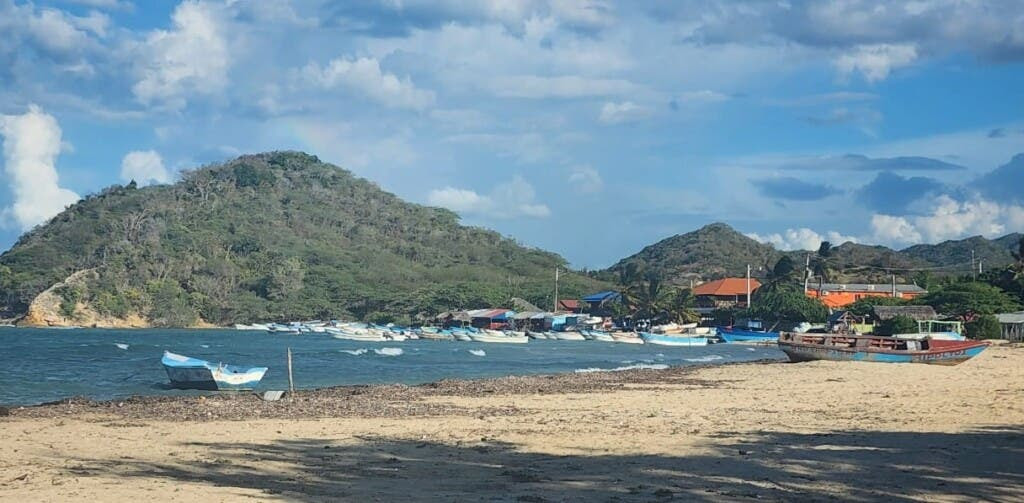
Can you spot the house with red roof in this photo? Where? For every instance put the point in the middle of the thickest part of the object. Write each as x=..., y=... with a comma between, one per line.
x=724, y=293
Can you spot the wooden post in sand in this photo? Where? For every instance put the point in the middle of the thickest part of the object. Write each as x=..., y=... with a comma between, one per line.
x=291, y=382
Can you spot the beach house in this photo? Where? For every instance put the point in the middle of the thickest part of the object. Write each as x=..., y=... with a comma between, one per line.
x=723, y=293
x=837, y=295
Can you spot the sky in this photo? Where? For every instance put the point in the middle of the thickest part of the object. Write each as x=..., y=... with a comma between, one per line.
x=590, y=128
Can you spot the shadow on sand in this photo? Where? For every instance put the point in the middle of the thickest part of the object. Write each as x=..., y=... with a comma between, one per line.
x=851, y=466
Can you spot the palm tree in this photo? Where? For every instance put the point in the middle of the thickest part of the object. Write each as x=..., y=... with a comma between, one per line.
x=820, y=265
x=779, y=276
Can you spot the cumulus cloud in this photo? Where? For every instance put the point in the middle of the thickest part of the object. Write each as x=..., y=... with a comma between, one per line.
x=793, y=189
x=364, y=76
x=801, y=239
x=875, y=62
x=626, y=111
x=1005, y=183
x=191, y=58
x=586, y=179
x=145, y=167
x=513, y=199
x=32, y=142
x=949, y=219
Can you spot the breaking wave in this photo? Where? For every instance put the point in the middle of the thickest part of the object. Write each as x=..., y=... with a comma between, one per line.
x=640, y=366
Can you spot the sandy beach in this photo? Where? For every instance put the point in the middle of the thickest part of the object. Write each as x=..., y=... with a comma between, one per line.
x=811, y=431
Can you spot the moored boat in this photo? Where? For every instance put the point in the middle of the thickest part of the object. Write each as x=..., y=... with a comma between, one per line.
x=736, y=334
x=626, y=338
x=673, y=340
x=569, y=336
x=807, y=347
x=193, y=373
x=499, y=337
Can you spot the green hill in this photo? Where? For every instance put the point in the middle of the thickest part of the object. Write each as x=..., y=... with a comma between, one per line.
x=991, y=252
x=274, y=236
x=713, y=251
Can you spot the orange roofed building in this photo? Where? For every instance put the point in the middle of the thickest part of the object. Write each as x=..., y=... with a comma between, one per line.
x=835, y=295
x=724, y=293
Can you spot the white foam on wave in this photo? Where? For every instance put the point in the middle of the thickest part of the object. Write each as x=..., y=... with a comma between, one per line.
x=388, y=351
x=121, y=345
x=204, y=345
x=751, y=349
x=640, y=366
x=477, y=352
x=708, y=358
x=356, y=352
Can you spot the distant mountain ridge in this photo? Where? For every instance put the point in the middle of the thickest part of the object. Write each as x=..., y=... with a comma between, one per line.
x=717, y=250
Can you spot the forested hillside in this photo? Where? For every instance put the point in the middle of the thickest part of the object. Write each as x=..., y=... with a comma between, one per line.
x=273, y=236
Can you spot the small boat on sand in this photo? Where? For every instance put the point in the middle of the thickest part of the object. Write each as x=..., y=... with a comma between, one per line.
x=193, y=373
x=807, y=347
x=673, y=340
x=740, y=334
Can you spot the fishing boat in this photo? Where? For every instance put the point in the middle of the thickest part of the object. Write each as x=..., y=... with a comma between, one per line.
x=569, y=336
x=673, y=340
x=597, y=335
x=275, y=328
x=746, y=334
x=499, y=337
x=626, y=338
x=806, y=347
x=357, y=334
x=192, y=373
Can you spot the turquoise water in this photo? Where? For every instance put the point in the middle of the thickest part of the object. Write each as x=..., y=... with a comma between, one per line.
x=42, y=365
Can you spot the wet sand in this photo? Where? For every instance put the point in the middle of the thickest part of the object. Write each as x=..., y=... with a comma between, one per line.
x=810, y=431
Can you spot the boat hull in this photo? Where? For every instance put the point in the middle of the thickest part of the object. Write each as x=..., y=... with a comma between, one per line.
x=673, y=340
x=740, y=335
x=190, y=373
x=940, y=353
x=503, y=339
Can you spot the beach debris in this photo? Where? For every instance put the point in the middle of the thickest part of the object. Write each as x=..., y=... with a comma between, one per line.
x=271, y=396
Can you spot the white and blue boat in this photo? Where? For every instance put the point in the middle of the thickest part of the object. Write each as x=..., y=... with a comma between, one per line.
x=752, y=332
x=673, y=339
x=193, y=373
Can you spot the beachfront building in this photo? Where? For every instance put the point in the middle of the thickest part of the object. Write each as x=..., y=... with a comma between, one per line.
x=491, y=318
x=725, y=293
x=599, y=304
x=570, y=306
x=1012, y=325
x=837, y=295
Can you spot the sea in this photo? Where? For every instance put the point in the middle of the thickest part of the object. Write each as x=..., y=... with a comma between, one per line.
x=45, y=365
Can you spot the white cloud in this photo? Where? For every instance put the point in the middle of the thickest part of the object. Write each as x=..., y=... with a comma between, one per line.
x=627, y=111
x=191, y=58
x=32, y=142
x=513, y=199
x=565, y=86
x=145, y=167
x=801, y=239
x=364, y=76
x=103, y=4
x=949, y=219
x=586, y=180
x=875, y=61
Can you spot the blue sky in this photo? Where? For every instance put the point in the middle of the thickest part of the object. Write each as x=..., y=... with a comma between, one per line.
x=591, y=128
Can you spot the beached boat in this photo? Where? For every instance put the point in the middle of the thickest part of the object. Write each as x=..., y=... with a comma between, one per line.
x=192, y=373
x=806, y=347
x=498, y=337
x=275, y=328
x=536, y=335
x=736, y=334
x=597, y=335
x=357, y=334
x=673, y=340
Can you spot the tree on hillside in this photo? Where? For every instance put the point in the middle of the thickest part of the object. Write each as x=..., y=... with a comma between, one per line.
x=820, y=262
x=967, y=300
x=780, y=277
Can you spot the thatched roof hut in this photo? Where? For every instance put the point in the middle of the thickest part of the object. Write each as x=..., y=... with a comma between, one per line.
x=917, y=313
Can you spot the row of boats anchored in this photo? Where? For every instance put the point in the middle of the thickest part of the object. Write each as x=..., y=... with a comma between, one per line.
x=665, y=335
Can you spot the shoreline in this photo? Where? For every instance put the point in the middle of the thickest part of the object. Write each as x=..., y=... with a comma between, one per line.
x=321, y=402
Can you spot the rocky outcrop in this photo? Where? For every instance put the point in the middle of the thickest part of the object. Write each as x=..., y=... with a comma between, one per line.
x=45, y=309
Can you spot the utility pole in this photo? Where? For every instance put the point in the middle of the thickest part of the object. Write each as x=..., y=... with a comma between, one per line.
x=974, y=270
x=748, y=286
x=894, y=286
x=807, y=273
x=556, y=290
x=980, y=270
